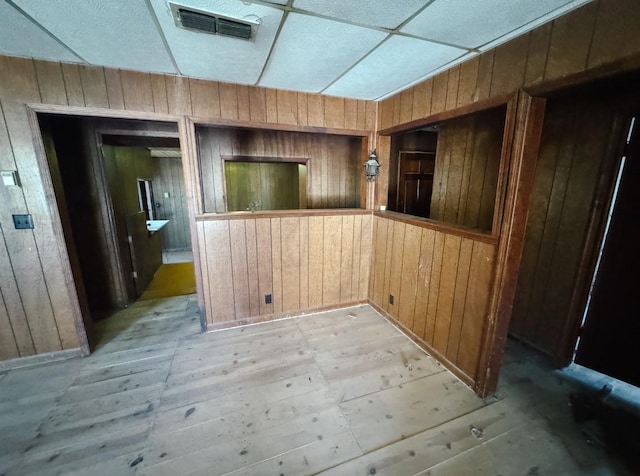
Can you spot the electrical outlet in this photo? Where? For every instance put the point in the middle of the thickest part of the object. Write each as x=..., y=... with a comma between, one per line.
x=267, y=298
x=23, y=222
x=390, y=298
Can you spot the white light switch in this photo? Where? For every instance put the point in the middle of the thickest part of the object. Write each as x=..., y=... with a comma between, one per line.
x=166, y=194
x=9, y=178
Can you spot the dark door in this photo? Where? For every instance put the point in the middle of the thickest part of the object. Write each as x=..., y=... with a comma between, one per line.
x=612, y=325
x=415, y=182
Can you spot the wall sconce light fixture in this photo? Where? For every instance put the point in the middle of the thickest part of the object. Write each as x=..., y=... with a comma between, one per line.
x=372, y=167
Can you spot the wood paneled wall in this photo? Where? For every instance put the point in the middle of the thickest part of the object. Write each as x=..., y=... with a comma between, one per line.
x=581, y=139
x=333, y=168
x=39, y=310
x=467, y=166
x=168, y=178
x=304, y=260
x=441, y=285
x=603, y=32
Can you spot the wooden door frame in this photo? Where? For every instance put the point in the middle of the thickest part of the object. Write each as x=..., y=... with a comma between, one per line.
x=189, y=153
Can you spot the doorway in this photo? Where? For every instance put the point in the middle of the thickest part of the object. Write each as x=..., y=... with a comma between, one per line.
x=585, y=135
x=611, y=325
x=112, y=191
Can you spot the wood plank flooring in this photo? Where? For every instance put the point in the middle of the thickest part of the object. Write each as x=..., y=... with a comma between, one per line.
x=338, y=393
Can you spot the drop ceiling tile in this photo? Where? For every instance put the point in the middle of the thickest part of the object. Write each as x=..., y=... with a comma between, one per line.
x=379, y=13
x=217, y=57
x=19, y=36
x=312, y=52
x=472, y=24
x=535, y=23
x=115, y=34
x=397, y=62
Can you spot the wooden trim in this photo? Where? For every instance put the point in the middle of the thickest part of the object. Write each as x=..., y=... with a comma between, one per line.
x=44, y=358
x=56, y=224
x=101, y=112
x=438, y=226
x=253, y=158
x=242, y=215
x=225, y=123
x=136, y=133
x=490, y=103
x=424, y=345
x=505, y=159
x=279, y=316
x=193, y=193
x=530, y=118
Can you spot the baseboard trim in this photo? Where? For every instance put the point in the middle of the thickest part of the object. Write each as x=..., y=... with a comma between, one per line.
x=39, y=359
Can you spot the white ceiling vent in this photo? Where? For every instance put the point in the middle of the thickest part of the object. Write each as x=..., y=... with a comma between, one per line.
x=213, y=23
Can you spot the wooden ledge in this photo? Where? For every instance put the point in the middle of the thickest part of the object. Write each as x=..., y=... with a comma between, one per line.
x=282, y=213
x=439, y=226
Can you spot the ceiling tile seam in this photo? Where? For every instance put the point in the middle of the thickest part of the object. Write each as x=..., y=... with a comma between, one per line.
x=156, y=22
x=454, y=62
x=285, y=15
x=356, y=63
x=394, y=31
x=41, y=27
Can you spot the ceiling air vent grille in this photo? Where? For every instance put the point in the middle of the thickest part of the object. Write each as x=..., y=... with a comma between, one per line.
x=213, y=23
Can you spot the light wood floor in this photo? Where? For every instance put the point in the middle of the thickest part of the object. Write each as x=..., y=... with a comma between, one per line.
x=338, y=393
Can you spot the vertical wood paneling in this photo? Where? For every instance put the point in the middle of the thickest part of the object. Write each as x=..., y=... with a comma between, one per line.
x=477, y=302
x=228, y=101
x=114, y=88
x=265, y=266
x=252, y=268
x=287, y=107
x=409, y=275
x=219, y=271
x=346, y=259
x=537, y=54
x=509, y=66
x=94, y=86
x=331, y=260
x=459, y=299
x=422, y=99
x=333, y=112
x=366, y=246
x=316, y=251
x=427, y=241
x=244, y=103
x=137, y=91
x=276, y=264
x=444, y=287
x=179, y=95
x=205, y=98
x=571, y=33
x=271, y=105
x=446, y=290
x=468, y=80
x=304, y=262
x=159, y=91
x=395, y=274
x=439, y=95
x=50, y=82
x=616, y=32
x=291, y=263
x=452, y=88
x=239, y=247
x=73, y=84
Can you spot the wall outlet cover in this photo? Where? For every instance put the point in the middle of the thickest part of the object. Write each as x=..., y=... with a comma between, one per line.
x=23, y=222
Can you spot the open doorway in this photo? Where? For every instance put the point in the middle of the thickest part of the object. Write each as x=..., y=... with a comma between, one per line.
x=580, y=237
x=120, y=192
